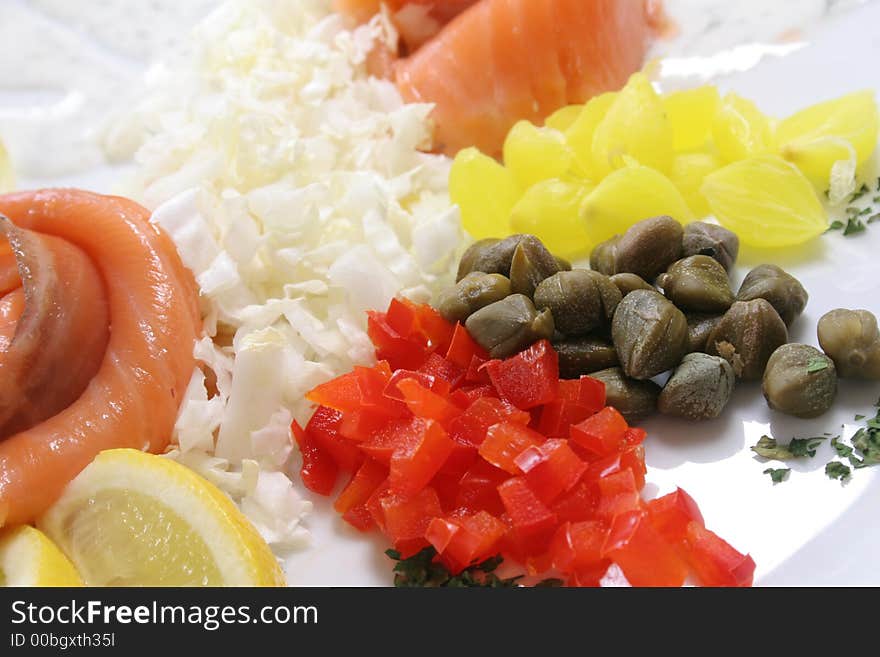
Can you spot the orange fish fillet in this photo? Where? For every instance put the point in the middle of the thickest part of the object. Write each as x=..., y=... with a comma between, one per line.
x=505, y=60
x=133, y=398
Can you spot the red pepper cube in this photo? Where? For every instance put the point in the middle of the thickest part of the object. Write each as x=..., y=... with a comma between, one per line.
x=528, y=514
x=401, y=316
x=478, y=488
x=442, y=369
x=505, y=441
x=578, y=546
x=632, y=459
x=617, y=494
x=634, y=436
x=578, y=504
x=590, y=576
x=585, y=391
x=716, y=562
x=437, y=331
x=672, y=513
x=342, y=393
x=645, y=558
x=466, y=540
x=530, y=378
x=407, y=518
x=415, y=463
x=601, y=434
x=557, y=417
x=391, y=346
x=426, y=404
x=319, y=471
x=463, y=348
x=358, y=426
x=352, y=501
x=324, y=429
x=472, y=425
x=472, y=393
x=551, y=469
x=476, y=372
x=394, y=436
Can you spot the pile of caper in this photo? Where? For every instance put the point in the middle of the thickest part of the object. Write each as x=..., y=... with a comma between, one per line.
x=657, y=301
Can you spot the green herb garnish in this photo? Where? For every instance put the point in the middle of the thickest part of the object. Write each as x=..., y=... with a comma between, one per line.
x=859, y=193
x=769, y=449
x=873, y=218
x=837, y=470
x=420, y=570
x=842, y=450
x=778, y=475
x=804, y=446
x=853, y=226
x=817, y=365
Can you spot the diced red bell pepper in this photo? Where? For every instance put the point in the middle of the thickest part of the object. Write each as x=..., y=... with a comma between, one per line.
x=602, y=433
x=461, y=458
x=505, y=441
x=550, y=469
x=471, y=426
x=558, y=416
x=463, y=348
x=392, y=390
x=590, y=576
x=478, y=488
x=578, y=546
x=586, y=391
x=440, y=368
x=400, y=352
x=530, y=378
x=358, y=426
x=529, y=515
x=474, y=392
x=426, y=404
x=402, y=316
x=632, y=458
x=352, y=501
x=618, y=494
x=465, y=540
x=415, y=463
x=394, y=436
x=634, y=436
x=323, y=429
x=671, y=515
x=407, y=518
x=578, y=504
x=342, y=393
x=434, y=328
x=319, y=471
x=716, y=562
x=476, y=372
x=642, y=554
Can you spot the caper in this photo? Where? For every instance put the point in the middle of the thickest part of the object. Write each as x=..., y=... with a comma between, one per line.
x=699, y=328
x=531, y=264
x=800, y=380
x=697, y=283
x=780, y=288
x=627, y=283
x=633, y=399
x=699, y=389
x=852, y=340
x=486, y=256
x=649, y=333
x=603, y=257
x=474, y=291
x=579, y=356
x=746, y=337
x=701, y=238
x=580, y=300
x=649, y=247
x=508, y=326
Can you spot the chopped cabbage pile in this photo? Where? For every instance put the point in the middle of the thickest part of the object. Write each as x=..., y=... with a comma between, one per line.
x=295, y=190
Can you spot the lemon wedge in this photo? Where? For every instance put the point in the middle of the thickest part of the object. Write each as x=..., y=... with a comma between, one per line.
x=135, y=519
x=29, y=558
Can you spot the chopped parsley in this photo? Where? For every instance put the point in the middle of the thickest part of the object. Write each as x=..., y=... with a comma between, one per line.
x=835, y=225
x=837, y=470
x=854, y=225
x=420, y=570
x=859, y=193
x=778, y=475
x=859, y=418
x=768, y=448
x=817, y=365
x=842, y=450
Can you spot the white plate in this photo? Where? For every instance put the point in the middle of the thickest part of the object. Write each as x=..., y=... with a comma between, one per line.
x=809, y=530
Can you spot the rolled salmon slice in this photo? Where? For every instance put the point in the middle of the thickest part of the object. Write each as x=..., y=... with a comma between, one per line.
x=152, y=314
x=501, y=61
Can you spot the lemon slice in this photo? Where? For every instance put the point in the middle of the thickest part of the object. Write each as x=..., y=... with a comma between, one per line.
x=135, y=519
x=29, y=558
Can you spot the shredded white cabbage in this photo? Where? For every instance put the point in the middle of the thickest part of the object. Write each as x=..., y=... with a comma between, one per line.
x=294, y=188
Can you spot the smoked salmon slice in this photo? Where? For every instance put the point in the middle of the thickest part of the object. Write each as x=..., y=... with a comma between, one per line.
x=504, y=60
x=152, y=321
